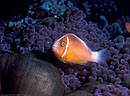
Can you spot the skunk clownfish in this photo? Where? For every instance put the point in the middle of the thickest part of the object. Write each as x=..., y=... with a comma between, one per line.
x=71, y=49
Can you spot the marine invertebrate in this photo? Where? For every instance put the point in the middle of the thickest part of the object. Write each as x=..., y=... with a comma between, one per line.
x=110, y=89
x=111, y=29
x=4, y=44
x=119, y=59
x=22, y=23
x=87, y=8
x=23, y=37
x=56, y=7
x=115, y=71
x=116, y=18
x=26, y=36
x=74, y=22
x=98, y=8
x=38, y=37
x=70, y=81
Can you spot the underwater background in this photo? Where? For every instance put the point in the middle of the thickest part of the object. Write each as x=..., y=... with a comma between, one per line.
x=28, y=29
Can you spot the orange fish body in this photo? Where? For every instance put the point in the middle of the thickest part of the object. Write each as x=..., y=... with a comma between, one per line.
x=71, y=49
x=127, y=27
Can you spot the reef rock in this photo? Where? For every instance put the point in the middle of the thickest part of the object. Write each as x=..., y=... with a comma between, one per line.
x=24, y=74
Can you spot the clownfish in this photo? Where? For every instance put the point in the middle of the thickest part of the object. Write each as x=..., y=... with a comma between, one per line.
x=71, y=49
x=127, y=25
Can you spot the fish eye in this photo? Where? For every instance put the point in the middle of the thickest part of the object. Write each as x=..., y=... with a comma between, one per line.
x=62, y=44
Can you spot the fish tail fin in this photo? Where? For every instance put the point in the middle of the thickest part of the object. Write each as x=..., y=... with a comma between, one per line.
x=99, y=56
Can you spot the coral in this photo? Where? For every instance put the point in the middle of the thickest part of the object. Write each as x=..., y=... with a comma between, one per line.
x=94, y=9
x=38, y=37
x=74, y=22
x=120, y=56
x=11, y=36
x=122, y=21
x=71, y=81
x=41, y=28
x=56, y=7
x=35, y=11
x=113, y=29
x=4, y=44
x=22, y=23
x=111, y=90
x=87, y=8
x=115, y=71
x=28, y=35
x=111, y=12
